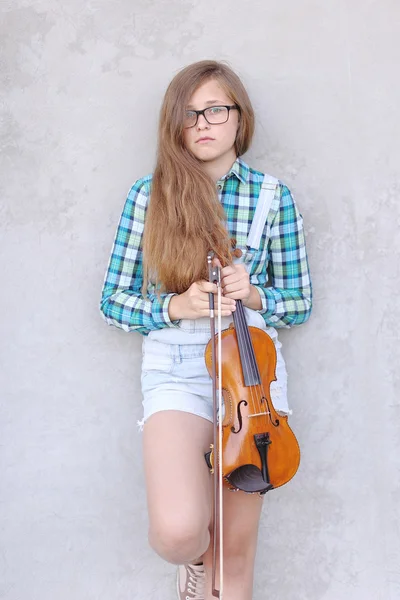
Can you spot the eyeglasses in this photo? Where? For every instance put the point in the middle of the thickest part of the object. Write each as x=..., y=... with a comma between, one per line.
x=214, y=115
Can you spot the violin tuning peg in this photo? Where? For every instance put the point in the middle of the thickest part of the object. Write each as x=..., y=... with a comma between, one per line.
x=233, y=243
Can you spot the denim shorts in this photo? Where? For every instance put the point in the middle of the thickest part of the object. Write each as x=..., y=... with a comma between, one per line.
x=175, y=377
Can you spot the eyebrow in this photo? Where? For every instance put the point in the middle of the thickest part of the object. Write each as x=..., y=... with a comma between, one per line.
x=216, y=102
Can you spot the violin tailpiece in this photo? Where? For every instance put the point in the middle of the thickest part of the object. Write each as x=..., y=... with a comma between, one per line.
x=263, y=441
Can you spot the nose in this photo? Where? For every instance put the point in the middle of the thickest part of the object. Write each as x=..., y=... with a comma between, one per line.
x=202, y=123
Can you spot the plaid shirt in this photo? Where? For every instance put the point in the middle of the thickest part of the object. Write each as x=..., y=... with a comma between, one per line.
x=286, y=297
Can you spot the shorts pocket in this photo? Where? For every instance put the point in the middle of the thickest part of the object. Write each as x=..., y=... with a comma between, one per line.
x=156, y=357
x=186, y=325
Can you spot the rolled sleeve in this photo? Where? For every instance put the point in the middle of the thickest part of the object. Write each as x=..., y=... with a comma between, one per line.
x=122, y=303
x=288, y=299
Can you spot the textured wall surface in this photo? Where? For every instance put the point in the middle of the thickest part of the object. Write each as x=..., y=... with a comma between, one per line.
x=82, y=83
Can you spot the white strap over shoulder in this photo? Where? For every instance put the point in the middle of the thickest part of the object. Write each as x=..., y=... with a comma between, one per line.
x=264, y=203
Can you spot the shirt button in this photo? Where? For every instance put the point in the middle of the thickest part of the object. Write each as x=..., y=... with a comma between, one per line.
x=219, y=186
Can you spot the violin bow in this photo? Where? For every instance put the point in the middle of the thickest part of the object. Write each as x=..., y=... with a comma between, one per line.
x=215, y=277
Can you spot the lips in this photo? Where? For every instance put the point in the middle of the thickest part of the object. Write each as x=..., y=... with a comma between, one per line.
x=204, y=139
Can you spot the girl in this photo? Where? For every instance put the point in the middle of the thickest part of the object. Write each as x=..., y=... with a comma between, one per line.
x=200, y=197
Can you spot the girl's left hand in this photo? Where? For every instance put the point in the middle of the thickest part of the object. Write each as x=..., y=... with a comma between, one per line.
x=235, y=282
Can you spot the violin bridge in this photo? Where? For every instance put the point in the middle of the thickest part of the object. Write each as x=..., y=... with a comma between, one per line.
x=261, y=414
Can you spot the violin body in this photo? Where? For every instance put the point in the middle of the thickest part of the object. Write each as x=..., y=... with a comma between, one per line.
x=259, y=449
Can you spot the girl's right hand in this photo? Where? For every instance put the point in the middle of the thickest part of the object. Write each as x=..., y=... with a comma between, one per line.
x=194, y=303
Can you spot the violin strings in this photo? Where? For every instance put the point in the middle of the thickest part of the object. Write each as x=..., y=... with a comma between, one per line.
x=246, y=353
x=260, y=387
x=244, y=337
x=250, y=361
x=255, y=390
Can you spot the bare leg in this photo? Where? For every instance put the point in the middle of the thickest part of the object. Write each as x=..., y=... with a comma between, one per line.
x=179, y=497
x=241, y=519
x=178, y=484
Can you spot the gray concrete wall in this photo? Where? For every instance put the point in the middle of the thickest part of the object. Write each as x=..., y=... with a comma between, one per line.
x=82, y=84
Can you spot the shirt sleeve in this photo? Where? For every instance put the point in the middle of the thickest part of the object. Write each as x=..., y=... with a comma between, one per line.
x=288, y=301
x=122, y=302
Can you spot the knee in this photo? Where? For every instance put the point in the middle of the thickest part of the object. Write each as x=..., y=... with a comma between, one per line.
x=179, y=541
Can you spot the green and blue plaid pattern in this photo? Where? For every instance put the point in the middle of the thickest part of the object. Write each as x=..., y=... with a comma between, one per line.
x=279, y=267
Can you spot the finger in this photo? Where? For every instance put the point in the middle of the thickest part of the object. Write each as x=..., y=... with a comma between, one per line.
x=227, y=305
x=234, y=279
x=216, y=262
x=224, y=301
x=226, y=271
x=241, y=294
x=238, y=295
x=224, y=312
x=235, y=285
x=207, y=287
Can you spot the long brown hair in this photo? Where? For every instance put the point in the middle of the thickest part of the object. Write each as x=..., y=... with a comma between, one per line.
x=185, y=219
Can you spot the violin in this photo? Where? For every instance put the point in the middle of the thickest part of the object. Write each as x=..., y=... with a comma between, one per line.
x=254, y=447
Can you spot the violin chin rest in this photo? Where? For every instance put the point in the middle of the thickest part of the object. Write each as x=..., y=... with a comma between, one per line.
x=248, y=478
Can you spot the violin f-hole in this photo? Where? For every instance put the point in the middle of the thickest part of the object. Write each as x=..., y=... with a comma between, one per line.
x=239, y=416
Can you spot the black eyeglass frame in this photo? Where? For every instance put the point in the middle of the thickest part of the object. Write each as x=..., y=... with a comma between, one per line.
x=203, y=112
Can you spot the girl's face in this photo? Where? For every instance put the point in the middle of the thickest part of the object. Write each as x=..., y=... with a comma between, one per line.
x=212, y=142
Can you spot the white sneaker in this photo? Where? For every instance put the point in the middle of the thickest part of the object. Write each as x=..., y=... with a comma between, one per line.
x=190, y=582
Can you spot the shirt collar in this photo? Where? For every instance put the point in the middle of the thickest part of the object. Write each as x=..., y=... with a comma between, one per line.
x=240, y=169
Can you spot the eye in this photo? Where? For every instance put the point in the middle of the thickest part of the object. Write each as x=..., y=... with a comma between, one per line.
x=190, y=114
x=216, y=110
